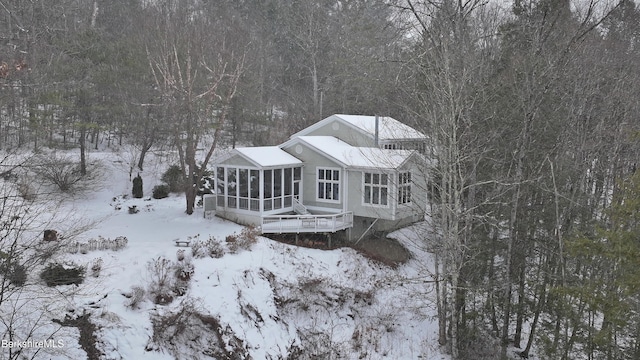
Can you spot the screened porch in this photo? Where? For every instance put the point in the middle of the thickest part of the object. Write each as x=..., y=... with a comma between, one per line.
x=257, y=190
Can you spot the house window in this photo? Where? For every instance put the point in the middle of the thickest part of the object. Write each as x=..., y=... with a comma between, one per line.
x=404, y=188
x=376, y=189
x=329, y=184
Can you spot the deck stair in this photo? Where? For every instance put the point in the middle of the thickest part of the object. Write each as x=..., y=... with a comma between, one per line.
x=299, y=208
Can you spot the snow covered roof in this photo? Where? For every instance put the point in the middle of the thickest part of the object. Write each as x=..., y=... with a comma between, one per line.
x=266, y=156
x=388, y=127
x=351, y=156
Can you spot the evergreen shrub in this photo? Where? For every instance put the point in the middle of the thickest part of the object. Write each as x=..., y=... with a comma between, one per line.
x=137, y=187
x=14, y=272
x=160, y=191
x=174, y=178
x=57, y=274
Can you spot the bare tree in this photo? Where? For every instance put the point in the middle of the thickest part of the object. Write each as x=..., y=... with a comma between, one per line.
x=197, y=76
x=26, y=306
x=452, y=69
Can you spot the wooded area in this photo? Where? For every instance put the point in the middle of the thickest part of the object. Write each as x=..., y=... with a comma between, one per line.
x=532, y=110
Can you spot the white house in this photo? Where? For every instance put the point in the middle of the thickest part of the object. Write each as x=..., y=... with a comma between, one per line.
x=345, y=174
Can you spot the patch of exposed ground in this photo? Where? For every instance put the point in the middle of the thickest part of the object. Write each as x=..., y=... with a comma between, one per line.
x=385, y=250
x=376, y=247
x=87, y=329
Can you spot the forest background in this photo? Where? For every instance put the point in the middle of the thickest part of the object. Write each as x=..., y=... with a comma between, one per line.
x=531, y=107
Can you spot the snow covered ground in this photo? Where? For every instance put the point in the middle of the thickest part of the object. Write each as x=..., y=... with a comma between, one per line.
x=273, y=301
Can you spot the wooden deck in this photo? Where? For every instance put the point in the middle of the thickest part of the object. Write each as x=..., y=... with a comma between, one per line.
x=308, y=223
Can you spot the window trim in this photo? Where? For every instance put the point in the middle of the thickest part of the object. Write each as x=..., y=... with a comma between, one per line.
x=405, y=189
x=338, y=182
x=378, y=186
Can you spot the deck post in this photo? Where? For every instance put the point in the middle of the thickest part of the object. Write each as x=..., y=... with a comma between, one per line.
x=329, y=239
x=297, y=238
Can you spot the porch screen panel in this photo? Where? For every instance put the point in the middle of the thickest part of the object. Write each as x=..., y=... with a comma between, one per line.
x=220, y=186
x=297, y=177
x=277, y=188
x=243, y=185
x=288, y=186
x=268, y=190
x=232, y=187
x=254, y=190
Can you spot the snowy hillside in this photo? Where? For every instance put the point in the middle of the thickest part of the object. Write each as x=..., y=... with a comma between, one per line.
x=262, y=300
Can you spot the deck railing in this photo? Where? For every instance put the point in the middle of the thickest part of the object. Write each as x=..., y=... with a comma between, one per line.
x=306, y=223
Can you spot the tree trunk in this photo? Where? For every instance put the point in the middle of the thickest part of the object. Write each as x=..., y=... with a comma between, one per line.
x=455, y=315
x=83, y=145
x=521, y=308
x=316, y=86
x=513, y=233
x=190, y=158
x=143, y=152
x=440, y=304
x=190, y=196
x=536, y=316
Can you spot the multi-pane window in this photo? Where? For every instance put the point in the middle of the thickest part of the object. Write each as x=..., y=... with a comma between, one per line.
x=404, y=188
x=278, y=188
x=239, y=188
x=329, y=184
x=419, y=146
x=376, y=189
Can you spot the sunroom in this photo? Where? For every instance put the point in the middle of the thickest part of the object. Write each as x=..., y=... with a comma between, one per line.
x=256, y=181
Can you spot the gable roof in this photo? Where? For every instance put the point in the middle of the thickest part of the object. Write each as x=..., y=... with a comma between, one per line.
x=388, y=127
x=264, y=156
x=351, y=156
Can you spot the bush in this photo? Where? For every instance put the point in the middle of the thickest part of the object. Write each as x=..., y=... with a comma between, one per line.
x=26, y=190
x=162, y=281
x=214, y=249
x=135, y=297
x=100, y=243
x=184, y=270
x=96, y=267
x=137, y=187
x=18, y=275
x=174, y=178
x=245, y=240
x=61, y=171
x=180, y=254
x=14, y=272
x=198, y=249
x=160, y=191
x=189, y=333
x=57, y=274
x=207, y=183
